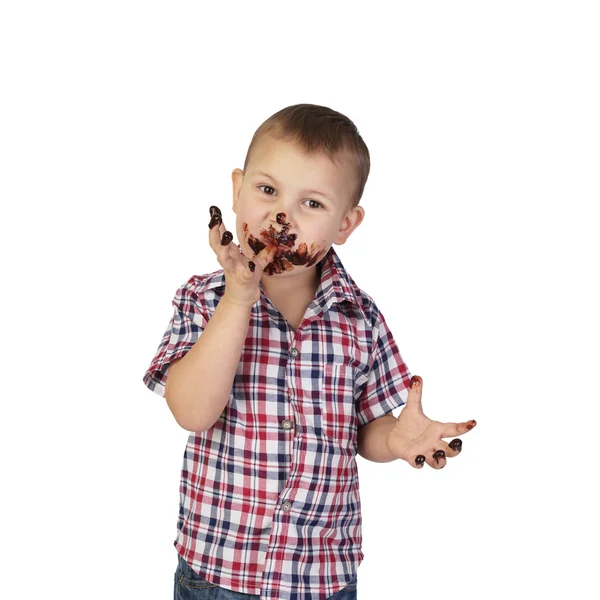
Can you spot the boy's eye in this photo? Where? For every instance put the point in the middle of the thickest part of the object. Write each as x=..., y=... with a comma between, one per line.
x=266, y=186
x=319, y=205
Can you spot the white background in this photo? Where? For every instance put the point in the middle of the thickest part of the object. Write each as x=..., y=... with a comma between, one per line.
x=120, y=124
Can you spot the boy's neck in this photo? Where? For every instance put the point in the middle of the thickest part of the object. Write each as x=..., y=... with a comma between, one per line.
x=301, y=287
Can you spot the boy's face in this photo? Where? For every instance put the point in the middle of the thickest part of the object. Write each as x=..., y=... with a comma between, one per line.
x=300, y=201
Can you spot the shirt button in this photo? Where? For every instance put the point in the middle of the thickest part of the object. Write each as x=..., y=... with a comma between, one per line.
x=287, y=424
x=294, y=352
x=287, y=505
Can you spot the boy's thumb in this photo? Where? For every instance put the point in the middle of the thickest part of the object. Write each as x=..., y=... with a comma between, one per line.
x=416, y=383
x=415, y=390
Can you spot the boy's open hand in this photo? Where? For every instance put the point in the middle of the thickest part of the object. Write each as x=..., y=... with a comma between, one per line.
x=417, y=439
x=241, y=275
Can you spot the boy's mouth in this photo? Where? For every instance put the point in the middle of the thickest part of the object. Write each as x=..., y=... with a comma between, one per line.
x=285, y=258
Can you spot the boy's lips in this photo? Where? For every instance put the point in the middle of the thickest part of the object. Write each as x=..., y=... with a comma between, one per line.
x=285, y=258
x=283, y=239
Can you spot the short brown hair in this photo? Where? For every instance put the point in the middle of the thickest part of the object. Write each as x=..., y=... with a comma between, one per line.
x=319, y=129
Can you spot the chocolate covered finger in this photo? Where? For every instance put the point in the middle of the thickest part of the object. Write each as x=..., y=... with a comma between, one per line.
x=215, y=219
x=456, y=445
x=438, y=455
x=226, y=239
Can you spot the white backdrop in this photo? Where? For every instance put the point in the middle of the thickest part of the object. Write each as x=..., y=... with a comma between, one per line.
x=120, y=124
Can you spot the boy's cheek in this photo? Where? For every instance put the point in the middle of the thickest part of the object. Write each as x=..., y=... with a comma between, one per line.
x=243, y=235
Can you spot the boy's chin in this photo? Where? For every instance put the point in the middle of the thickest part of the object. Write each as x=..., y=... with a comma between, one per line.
x=274, y=270
x=293, y=262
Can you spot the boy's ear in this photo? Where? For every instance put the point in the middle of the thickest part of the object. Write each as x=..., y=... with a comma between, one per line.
x=351, y=221
x=237, y=177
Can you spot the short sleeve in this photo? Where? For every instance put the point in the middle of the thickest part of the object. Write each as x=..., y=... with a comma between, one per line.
x=187, y=323
x=389, y=379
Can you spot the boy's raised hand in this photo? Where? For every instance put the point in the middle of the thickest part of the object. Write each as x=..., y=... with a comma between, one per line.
x=241, y=275
x=417, y=439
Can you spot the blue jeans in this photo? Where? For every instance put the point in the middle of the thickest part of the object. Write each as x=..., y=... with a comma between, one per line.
x=190, y=586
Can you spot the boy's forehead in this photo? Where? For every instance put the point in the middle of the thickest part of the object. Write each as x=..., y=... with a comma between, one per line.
x=270, y=153
x=269, y=146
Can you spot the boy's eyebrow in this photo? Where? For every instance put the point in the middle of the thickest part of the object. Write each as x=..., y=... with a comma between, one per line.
x=329, y=197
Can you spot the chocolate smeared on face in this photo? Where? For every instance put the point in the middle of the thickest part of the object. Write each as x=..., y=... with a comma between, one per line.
x=285, y=258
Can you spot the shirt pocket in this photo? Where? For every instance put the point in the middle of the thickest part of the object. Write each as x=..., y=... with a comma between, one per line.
x=338, y=411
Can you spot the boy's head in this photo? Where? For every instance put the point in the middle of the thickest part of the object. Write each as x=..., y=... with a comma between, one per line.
x=304, y=174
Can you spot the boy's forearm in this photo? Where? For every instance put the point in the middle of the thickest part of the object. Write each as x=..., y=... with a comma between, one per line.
x=200, y=386
x=372, y=440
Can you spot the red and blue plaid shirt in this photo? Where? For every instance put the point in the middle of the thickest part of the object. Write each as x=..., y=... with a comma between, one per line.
x=269, y=495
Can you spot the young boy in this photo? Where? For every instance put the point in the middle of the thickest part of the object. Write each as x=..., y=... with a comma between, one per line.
x=283, y=370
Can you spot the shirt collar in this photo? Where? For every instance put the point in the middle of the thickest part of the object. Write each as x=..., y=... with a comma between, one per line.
x=336, y=285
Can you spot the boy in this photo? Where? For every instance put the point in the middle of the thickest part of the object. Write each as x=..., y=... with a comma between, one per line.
x=283, y=370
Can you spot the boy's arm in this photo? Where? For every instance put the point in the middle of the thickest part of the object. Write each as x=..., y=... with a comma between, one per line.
x=372, y=439
x=199, y=384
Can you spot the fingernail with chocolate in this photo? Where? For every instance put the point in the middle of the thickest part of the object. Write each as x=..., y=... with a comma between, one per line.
x=251, y=266
x=471, y=424
x=438, y=454
x=213, y=210
x=226, y=239
x=415, y=381
x=215, y=220
x=420, y=459
x=456, y=445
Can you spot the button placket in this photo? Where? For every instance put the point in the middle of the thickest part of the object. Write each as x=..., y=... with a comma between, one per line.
x=287, y=423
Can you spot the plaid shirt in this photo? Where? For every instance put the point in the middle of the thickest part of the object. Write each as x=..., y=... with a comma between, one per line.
x=269, y=495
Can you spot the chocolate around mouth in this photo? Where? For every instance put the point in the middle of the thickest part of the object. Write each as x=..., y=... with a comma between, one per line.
x=285, y=258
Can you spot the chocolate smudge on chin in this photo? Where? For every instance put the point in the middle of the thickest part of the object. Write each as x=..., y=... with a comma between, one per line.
x=285, y=258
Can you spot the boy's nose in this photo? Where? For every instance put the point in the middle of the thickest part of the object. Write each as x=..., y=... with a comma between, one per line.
x=278, y=218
